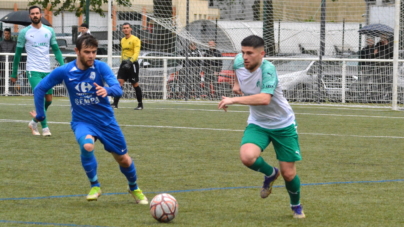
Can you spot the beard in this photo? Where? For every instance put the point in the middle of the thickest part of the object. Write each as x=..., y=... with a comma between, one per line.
x=35, y=20
x=251, y=67
x=86, y=63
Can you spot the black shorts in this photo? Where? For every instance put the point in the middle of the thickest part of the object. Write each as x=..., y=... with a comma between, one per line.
x=131, y=75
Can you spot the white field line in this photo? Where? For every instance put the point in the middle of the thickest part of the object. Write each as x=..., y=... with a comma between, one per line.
x=209, y=129
x=215, y=103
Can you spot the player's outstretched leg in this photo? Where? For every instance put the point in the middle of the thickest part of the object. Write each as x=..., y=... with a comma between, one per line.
x=297, y=211
x=268, y=182
x=134, y=190
x=293, y=188
x=90, y=165
x=34, y=128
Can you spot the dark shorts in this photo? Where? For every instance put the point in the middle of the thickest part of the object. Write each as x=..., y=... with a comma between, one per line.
x=131, y=75
x=111, y=136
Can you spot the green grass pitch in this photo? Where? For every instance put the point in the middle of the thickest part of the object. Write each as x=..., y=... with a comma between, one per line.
x=352, y=169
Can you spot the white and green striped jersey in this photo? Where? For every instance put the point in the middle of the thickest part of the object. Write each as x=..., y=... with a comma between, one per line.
x=37, y=43
x=278, y=113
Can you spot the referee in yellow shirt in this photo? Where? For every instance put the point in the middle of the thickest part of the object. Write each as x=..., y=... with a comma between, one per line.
x=129, y=68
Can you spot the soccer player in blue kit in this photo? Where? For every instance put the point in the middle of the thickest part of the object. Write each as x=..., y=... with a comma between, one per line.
x=92, y=115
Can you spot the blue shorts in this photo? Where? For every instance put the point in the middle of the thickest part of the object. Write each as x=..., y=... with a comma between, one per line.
x=111, y=136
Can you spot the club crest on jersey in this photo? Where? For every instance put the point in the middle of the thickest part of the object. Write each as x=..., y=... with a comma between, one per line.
x=258, y=83
x=92, y=75
x=83, y=87
x=46, y=35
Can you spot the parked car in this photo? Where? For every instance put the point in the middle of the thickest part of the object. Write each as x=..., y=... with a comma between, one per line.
x=299, y=79
x=375, y=84
x=151, y=73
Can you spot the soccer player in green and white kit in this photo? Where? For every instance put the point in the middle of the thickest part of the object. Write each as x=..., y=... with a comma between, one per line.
x=271, y=120
x=37, y=38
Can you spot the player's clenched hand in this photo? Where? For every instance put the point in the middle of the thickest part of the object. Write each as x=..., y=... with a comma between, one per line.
x=13, y=80
x=225, y=101
x=100, y=90
x=33, y=113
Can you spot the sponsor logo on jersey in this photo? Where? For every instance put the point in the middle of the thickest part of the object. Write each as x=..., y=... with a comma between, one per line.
x=83, y=87
x=35, y=44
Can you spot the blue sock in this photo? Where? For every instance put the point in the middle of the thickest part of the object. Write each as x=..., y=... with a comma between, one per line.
x=89, y=162
x=90, y=166
x=130, y=174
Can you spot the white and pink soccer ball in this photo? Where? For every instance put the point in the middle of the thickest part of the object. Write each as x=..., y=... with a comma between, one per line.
x=164, y=207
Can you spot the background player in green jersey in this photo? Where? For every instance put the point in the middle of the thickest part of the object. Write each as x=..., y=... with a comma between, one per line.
x=36, y=39
x=271, y=120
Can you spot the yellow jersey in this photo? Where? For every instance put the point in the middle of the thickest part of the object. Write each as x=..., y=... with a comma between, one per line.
x=130, y=48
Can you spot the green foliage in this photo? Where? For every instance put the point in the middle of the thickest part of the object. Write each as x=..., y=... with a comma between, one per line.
x=351, y=168
x=77, y=6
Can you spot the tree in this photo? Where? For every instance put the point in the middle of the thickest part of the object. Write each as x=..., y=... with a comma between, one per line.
x=58, y=6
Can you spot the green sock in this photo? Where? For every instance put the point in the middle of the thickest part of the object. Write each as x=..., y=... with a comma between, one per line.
x=293, y=188
x=44, y=123
x=261, y=166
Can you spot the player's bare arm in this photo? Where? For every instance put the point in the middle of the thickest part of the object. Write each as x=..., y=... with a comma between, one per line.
x=253, y=100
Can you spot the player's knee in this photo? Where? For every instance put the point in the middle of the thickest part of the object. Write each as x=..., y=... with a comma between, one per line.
x=86, y=145
x=124, y=160
x=248, y=156
x=247, y=160
x=288, y=175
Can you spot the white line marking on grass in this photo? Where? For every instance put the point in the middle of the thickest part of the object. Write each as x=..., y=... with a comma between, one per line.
x=211, y=129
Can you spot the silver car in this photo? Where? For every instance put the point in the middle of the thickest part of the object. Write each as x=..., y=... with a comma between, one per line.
x=151, y=74
x=299, y=79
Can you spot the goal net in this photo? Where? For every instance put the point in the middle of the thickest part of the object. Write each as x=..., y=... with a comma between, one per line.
x=296, y=34
x=325, y=51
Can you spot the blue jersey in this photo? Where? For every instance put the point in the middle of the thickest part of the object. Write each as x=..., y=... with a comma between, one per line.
x=86, y=106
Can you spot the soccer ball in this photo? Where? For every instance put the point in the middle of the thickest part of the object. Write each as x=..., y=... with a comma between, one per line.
x=164, y=207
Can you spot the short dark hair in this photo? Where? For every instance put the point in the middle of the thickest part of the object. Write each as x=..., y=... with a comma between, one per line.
x=34, y=7
x=86, y=40
x=253, y=41
x=7, y=30
x=84, y=25
x=126, y=23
